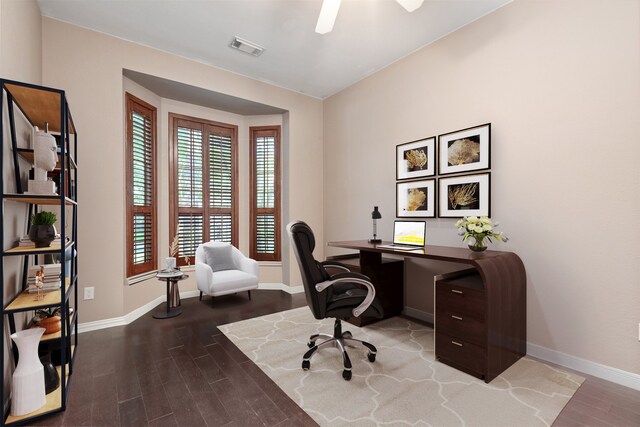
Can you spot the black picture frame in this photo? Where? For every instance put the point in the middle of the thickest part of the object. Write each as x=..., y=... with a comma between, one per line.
x=465, y=150
x=416, y=199
x=416, y=159
x=474, y=190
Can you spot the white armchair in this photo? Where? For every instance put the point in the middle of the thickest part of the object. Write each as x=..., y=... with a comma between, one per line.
x=222, y=269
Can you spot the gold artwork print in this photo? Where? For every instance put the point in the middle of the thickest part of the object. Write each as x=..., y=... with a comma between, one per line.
x=464, y=151
x=462, y=196
x=416, y=199
x=416, y=159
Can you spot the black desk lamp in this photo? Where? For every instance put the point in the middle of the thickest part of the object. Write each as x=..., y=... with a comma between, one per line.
x=375, y=215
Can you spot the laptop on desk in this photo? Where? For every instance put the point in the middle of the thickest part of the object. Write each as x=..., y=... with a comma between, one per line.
x=407, y=236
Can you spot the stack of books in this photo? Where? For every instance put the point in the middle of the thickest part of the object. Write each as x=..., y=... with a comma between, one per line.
x=25, y=241
x=51, y=281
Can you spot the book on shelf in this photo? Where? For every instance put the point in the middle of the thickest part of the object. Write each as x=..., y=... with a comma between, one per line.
x=49, y=270
x=25, y=241
x=45, y=288
x=56, y=266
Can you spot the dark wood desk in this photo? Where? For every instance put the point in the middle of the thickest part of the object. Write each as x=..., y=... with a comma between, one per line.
x=494, y=303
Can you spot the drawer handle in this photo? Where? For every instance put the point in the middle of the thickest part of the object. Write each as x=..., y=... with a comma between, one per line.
x=455, y=291
x=456, y=343
x=456, y=317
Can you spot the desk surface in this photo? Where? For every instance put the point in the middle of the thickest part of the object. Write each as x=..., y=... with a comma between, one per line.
x=443, y=253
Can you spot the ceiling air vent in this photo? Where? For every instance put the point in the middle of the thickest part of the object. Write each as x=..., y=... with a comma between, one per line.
x=246, y=46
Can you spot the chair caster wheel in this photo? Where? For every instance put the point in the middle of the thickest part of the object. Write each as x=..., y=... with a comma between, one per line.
x=371, y=357
x=347, y=334
x=306, y=365
x=346, y=375
x=311, y=344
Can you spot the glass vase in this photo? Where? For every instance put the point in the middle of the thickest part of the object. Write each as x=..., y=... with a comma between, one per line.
x=477, y=243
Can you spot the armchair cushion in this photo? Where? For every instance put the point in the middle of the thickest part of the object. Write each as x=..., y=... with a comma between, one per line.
x=219, y=257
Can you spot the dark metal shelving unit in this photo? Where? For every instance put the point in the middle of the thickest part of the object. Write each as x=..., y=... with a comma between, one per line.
x=40, y=105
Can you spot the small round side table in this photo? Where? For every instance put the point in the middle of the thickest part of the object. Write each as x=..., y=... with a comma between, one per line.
x=172, y=289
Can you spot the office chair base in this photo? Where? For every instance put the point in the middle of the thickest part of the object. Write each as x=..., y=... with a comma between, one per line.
x=339, y=340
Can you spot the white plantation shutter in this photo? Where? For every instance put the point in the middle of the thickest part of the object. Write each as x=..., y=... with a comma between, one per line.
x=203, y=188
x=220, y=187
x=141, y=188
x=265, y=193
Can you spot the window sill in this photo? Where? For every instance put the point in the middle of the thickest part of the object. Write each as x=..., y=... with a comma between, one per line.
x=141, y=277
x=270, y=263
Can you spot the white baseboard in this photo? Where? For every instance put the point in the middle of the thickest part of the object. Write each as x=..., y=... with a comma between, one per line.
x=418, y=314
x=141, y=311
x=281, y=287
x=130, y=317
x=615, y=375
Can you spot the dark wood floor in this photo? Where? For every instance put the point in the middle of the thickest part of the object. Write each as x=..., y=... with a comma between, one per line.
x=183, y=371
x=179, y=371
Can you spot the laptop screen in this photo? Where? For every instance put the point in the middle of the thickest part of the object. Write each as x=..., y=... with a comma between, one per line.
x=409, y=233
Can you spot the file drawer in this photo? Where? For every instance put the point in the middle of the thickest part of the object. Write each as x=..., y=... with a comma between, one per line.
x=459, y=325
x=461, y=354
x=465, y=300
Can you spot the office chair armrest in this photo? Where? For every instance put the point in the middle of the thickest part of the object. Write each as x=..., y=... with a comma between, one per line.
x=356, y=278
x=334, y=264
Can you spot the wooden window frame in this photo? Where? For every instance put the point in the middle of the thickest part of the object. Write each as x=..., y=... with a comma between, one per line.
x=138, y=105
x=255, y=132
x=174, y=210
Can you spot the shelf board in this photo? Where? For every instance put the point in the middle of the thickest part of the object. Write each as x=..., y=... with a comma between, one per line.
x=39, y=105
x=36, y=199
x=53, y=400
x=32, y=250
x=26, y=301
x=27, y=154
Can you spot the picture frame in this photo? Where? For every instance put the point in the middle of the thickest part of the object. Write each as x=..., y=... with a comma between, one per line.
x=416, y=199
x=465, y=150
x=465, y=195
x=416, y=159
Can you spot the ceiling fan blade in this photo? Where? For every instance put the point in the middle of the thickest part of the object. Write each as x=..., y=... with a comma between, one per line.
x=410, y=5
x=327, y=16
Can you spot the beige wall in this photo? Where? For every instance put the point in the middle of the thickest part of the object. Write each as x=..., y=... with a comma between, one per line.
x=21, y=41
x=20, y=59
x=559, y=81
x=91, y=73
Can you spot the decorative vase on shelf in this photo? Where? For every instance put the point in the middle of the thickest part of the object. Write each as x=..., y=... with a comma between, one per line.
x=42, y=235
x=477, y=244
x=27, y=384
x=51, y=324
x=51, y=377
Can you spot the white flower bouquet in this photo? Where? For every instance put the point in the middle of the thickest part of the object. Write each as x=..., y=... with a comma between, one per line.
x=479, y=228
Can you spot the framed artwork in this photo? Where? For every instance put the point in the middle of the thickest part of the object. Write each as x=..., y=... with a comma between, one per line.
x=416, y=159
x=466, y=195
x=465, y=150
x=416, y=199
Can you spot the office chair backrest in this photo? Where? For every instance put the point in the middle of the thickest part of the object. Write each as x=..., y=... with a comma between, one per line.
x=303, y=242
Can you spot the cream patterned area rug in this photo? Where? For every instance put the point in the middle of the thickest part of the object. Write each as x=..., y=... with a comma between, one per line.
x=404, y=386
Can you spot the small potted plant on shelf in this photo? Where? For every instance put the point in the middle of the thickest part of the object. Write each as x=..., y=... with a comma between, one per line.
x=42, y=232
x=477, y=229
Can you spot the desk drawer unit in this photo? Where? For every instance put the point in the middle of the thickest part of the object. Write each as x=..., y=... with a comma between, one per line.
x=460, y=326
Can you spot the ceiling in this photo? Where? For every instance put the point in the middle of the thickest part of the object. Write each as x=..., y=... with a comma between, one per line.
x=367, y=36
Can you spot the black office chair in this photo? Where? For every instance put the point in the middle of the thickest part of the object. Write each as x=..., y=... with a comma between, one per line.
x=340, y=296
